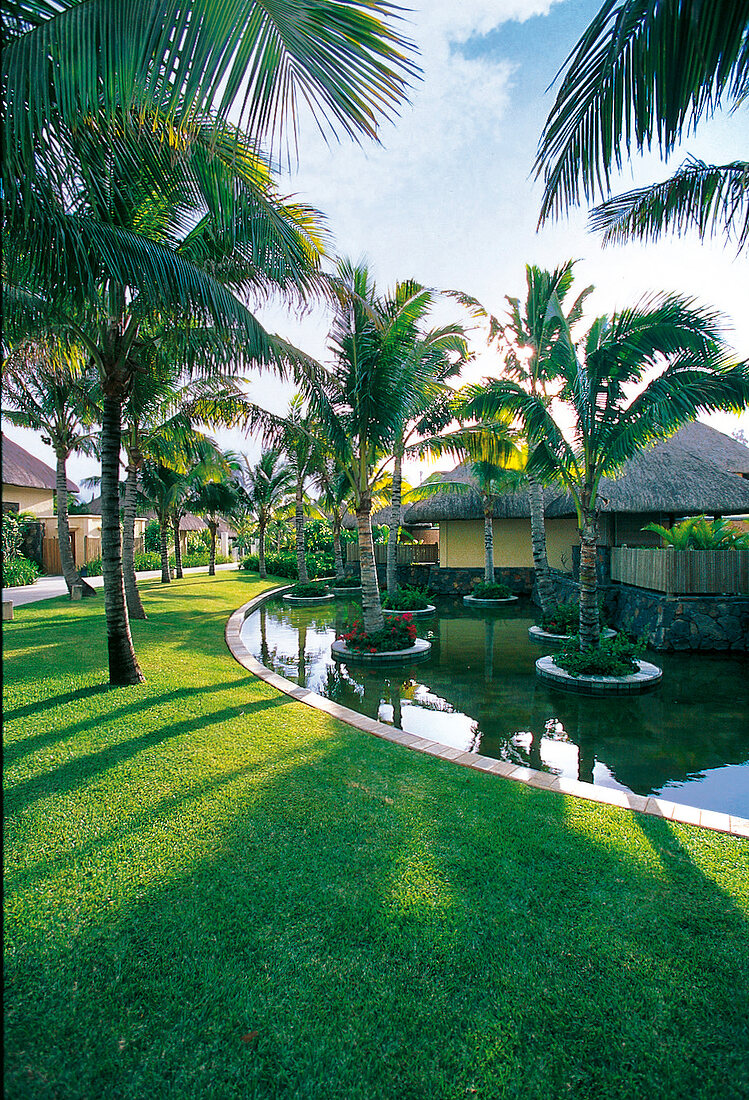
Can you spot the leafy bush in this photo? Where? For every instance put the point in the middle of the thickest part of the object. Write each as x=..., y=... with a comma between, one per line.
x=284, y=565
x=617, y=657
x=566, y=619
x=309, y=590
x=406, y=598
x=484, y=591
x=398, y=634
x=700, y=533
x=348, y=582
x=19, y=570
x=12, y=534
x=152, y=536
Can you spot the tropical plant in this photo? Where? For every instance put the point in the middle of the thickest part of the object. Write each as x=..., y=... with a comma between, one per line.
x=399, y=633
x=214, y=495
x=617, y=656
x=529, y=342
x=160, y=487
x=265, y=488
x=128, y=197
x=48, y=386
x=700, y=533
x=670, y=350
x=361, y=405
x=405, y=598
x=646, y=71
x=481, y=590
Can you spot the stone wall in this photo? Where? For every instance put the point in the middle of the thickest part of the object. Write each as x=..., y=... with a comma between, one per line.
x=454, y=582
x=672, y=623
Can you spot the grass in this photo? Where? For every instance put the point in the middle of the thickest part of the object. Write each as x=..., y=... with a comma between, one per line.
x=213, y=891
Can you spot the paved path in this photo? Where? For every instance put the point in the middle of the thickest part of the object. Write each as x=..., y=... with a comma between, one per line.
x=46, y=587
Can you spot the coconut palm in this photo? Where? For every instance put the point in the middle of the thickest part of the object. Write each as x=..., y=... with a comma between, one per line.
x=266, y=487
x=159, y=488
x=632, y=380
x=530, y=343
x=112, y=154
x=427, y=360
x=647, y=71
x=361, y=405
x=48, y=387
x=214, y=495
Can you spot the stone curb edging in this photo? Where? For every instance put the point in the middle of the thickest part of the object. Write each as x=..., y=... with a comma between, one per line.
x=655, y=807
x=477, y=601
x=538, y=634
x=647, y=677
x=421, y=648
x=300, y=601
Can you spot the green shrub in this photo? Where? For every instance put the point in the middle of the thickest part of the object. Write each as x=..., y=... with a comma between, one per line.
x=152, y=536
x=566, y=619
x=406, y=598
x=309, y=590
x=398, y=634
x=284, y=565
x=616, y=657
x=348, y=582
x=493, y=591
x=19, y=570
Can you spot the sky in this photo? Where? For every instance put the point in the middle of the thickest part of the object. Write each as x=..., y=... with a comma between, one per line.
x=448, y=196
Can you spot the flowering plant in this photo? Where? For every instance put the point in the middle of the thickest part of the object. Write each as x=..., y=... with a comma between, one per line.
x=398, y=634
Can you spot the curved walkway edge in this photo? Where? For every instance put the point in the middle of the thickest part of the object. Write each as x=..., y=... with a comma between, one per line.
x=657, y=807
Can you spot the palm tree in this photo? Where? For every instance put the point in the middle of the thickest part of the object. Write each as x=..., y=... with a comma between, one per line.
x=617, y=411
x=265, y=488
x=215, y=496
x=361, y=406
x=641, y=72
x=47, y=387
x=426, y=361
x=113, y=152
x=531, y=342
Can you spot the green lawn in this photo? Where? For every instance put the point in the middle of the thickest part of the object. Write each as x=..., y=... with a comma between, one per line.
x=212, y=891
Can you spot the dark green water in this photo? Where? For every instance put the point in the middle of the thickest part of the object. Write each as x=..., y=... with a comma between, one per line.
x=687, y=741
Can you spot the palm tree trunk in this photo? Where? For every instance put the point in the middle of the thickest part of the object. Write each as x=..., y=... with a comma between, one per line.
x=373, y=617
x=69, y=571
x=213, y=528
x=164, y=533
x=590, y=630
x=123, y=664
x=338, y=551
x=176, y=519
x=301, y=560
x=488, y=543
x=544, y=583
x=261, y=551
x=134, y=605
x=394, y=529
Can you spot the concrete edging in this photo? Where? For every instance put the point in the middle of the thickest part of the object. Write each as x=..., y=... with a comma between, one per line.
x=655, y=807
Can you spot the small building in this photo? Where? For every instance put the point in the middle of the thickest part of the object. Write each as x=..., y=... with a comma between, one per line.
x=28, y=483
x=697, y=470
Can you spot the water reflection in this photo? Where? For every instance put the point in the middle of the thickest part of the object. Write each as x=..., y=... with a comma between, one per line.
x=688, y=741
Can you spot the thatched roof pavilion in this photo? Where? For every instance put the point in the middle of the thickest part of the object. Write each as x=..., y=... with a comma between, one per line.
x=697, y=470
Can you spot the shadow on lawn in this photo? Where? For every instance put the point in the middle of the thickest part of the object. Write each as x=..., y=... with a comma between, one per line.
x=68, y=776
x=374, y=924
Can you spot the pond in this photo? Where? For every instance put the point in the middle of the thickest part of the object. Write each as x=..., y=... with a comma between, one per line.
x=688, y=741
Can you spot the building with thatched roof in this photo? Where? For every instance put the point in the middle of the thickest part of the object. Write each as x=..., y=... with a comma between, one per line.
x=698, y=470
x=28, y=483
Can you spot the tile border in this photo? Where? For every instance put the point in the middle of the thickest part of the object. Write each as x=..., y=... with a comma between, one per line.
x=655, y=807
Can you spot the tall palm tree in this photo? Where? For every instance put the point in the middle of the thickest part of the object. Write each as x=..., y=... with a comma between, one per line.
x=632, y=380
x=214, y=496
x=645, y=72
x=266, y=487
x=361, y=406
x=159, y=488
x=426, y=360
x=48, y=387
x=531, y=341
x=112, y=153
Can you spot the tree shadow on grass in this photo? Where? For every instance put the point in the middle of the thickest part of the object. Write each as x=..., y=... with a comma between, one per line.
x=76, y=773
x=376, y=924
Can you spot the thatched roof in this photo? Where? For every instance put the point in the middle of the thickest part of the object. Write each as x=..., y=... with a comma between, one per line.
x=694, y=471
x=24, y=469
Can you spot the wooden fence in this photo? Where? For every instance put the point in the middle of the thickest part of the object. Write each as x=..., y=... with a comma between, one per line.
x=51, y=553
x=426, y=553
x=682, y=572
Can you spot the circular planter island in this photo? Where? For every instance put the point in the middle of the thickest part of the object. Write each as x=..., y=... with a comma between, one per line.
x=476, y=601
x=646, y=678
x=346, y=590
x=303, y=600
x=538, y=634
x=417, y=652
x=428, y=610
